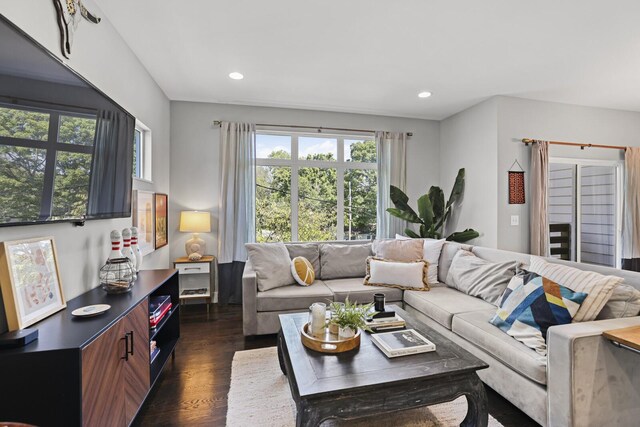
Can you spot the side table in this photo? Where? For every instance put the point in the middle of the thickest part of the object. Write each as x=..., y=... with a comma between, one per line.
x=628, y=338
x=197, y=278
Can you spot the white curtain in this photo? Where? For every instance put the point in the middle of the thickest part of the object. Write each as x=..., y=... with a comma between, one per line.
x=392, y=147
x=631, y=220
x=236, y=218
x=539, y=185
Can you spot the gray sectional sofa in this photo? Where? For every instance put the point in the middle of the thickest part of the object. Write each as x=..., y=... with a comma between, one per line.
x=583, y=381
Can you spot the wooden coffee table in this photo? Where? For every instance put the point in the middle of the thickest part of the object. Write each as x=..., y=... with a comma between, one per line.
x=365, y=382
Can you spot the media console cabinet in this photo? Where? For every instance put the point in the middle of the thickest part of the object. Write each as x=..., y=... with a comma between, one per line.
x=91, y=371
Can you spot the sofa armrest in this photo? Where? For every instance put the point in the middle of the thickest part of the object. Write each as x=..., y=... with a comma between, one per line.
x=591, y=382
x=249, y=301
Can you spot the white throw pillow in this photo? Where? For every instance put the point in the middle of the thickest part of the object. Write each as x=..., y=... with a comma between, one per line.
x=598, y=288
x=431, y=253
x=402, y=275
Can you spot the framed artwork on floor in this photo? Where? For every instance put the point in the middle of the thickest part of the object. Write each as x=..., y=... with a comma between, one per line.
x=30, y=281
x=162, y=216
x=144, y=219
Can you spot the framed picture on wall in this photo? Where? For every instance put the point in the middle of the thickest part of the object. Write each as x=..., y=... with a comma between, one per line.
x=162, y=209
x=144, y=219
x=30, y=281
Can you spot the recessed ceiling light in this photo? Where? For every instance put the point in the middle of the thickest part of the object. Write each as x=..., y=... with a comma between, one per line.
x=424, y=94
x=236, y=76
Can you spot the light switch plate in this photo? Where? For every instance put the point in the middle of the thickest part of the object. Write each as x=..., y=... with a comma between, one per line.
x=515, y=219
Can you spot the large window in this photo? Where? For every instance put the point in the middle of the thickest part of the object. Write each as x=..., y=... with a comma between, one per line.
x=312, y=187
x=45, y=163
x=585, y=210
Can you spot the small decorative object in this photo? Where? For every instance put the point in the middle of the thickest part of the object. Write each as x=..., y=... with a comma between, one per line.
x=126, y=249
x=30, y=281
x=378, y=302
x=328, y=343
x=516, y=185
x=69, y=13
x=433, y=213
x=162, y=238
x=195, y=256
x=144, y=220
x=350, y=317
x=117, y=276
x=317, y=318
x=195, y=222
x=18, y=338
x=91, y=310
x=135, y=248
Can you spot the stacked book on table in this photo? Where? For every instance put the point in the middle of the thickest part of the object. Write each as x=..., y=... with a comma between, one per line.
x=159, y=306
x=384, y=324
x=402, y=343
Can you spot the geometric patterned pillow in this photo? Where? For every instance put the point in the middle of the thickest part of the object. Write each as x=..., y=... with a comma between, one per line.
x=531, y=304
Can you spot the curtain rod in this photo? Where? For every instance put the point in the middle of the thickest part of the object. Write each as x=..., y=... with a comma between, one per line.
x=582, y=146
x=318, y=128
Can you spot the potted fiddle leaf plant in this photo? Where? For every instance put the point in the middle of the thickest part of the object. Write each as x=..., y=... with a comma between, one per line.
x=433, y=212
x=349, y=317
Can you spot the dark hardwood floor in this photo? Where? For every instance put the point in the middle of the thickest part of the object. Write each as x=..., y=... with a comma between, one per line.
x=192, y=390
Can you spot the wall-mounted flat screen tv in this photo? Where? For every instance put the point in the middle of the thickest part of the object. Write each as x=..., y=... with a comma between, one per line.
x=66, y=149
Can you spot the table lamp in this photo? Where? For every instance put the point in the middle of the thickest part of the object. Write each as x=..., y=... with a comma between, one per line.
x=195, y=222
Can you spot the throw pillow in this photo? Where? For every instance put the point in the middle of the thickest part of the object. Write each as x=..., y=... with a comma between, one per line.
x=431, y=250
x=449, y=251
x=310, y=251
x=431, y=253
x=599, y=288
x=480, y=278
x=624, y=302
x=271, y=263
x=302, y=271
x=399, y=250
x=402, y=275
x=532, y=304
x=338, y=261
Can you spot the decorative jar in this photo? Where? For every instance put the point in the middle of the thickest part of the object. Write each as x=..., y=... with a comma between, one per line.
x=117, y=275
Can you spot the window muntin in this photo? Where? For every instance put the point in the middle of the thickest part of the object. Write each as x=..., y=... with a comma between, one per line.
x=325, y=189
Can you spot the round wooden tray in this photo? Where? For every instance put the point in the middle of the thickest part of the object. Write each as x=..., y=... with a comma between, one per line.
x=328, y=343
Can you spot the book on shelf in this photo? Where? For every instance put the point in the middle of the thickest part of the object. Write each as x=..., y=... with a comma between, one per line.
x=402, y=343
x=154, y=354
x=191, y=292
x=159, y=306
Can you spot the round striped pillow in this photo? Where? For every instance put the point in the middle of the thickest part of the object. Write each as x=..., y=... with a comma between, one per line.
x=302, y=271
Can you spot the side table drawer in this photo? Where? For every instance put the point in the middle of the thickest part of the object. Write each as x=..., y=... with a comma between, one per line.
x=193, y=268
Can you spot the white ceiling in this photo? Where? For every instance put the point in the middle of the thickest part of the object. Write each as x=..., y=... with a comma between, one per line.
x=374, y=56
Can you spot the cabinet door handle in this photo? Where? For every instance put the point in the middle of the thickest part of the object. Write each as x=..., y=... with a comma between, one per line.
x=126, y=347
x=192, y=268
x=131, y=335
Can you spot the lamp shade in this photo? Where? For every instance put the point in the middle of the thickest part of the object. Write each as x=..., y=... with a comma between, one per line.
x=195, y=222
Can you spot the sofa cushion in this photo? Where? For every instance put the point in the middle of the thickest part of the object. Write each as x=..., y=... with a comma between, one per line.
x=293, y=297
x=310, y=251
x=480, y=278
x=624, y=302
x=598, y=287
x=302, y=271
x=475, y=328
x=449, y=250
x=442, y=303
x=271, y=263
x=339, y=261
x=402, y=275
x=404, y=250
x=358, y=292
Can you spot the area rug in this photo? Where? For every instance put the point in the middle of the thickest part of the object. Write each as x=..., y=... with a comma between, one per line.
x=260, y=396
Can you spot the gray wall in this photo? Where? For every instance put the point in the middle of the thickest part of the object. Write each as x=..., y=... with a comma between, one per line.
x=195, y=149
x=102, y=57
x=468, y=140
x=523, y=118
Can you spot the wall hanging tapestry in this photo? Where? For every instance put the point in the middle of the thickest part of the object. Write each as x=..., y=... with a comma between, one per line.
x=516, y=185
x=69, y=13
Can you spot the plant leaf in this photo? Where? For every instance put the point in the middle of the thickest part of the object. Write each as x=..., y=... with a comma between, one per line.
x=463, y=236
x=400, y=200
x=458, y=188
x=436, y=196
x=425, y=210
x=407, y=216
x=409, y=232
